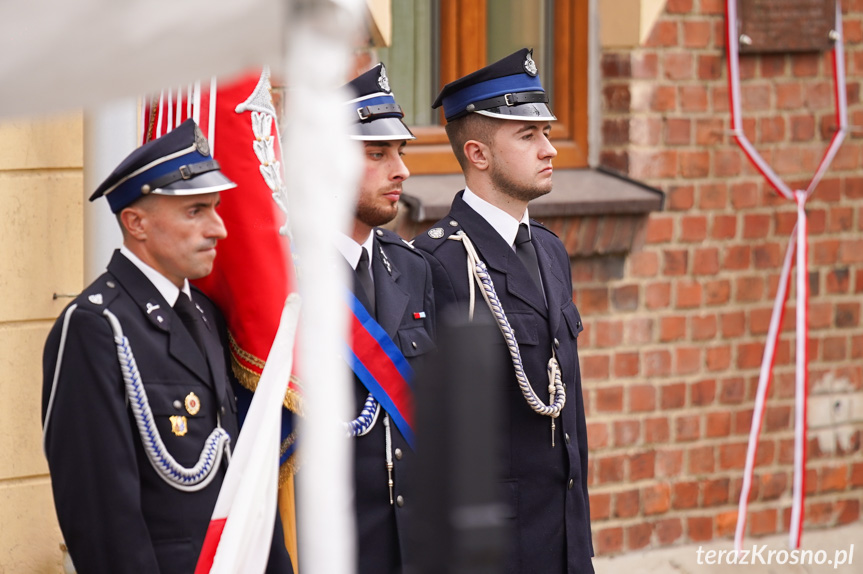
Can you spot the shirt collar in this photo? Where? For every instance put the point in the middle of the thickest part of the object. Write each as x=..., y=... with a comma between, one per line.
x=351, y=250
x=168, y=290
x=502, y=222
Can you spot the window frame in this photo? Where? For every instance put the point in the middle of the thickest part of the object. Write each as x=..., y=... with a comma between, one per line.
x=463, y=50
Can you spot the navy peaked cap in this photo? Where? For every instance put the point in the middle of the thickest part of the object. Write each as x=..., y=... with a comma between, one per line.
x=178, y=163
x=508, y=89
x=378, y=116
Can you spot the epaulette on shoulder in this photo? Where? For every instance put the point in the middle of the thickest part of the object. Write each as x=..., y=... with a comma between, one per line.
x=535, y=223
x=99, y=294
x=436, y=236
x=391, y=237
x=198, y=291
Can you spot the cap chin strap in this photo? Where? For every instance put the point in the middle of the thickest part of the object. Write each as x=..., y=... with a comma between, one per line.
x=514, y=99
x=373, y=112
x=183, y=172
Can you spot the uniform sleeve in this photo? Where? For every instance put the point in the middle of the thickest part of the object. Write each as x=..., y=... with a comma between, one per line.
x=91, y=452
x=429, y=301
x=446, y=304
x=581, y=427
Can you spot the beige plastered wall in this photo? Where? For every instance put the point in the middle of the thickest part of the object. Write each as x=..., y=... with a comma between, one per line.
x=41, y=253
x=626, y=23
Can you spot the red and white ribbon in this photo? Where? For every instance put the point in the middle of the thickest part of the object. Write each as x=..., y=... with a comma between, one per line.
x=800, y=233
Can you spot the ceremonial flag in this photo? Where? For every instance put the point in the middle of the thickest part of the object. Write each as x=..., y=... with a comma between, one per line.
x=241, y=529
x=253, y=274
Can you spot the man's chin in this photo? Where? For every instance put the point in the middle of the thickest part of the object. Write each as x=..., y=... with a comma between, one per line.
x=380, y=217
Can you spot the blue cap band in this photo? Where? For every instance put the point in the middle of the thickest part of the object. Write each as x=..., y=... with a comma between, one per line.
x=456, y=103
x=130, y=190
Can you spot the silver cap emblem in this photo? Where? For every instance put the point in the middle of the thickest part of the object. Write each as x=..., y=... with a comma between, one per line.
x=529, y=64
x=383, y=81
x=201, y=142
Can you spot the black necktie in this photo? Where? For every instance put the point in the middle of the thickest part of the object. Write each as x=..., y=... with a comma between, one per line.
x=192, y=319
x=364, y=276
x=527, y=254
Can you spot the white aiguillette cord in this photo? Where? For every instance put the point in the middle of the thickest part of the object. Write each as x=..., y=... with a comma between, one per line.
x=165, y=465
x=477, y=269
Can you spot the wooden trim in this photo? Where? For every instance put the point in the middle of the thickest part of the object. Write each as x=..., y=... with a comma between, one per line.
x=569, y=100
x=463, y=50
x=430, y=159
x=429, y=135
x=580, y=53
x=463, y=38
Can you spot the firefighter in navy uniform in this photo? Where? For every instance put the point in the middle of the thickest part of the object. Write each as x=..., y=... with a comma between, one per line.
x=392, y=282
x=498, y=122
x=138, y=413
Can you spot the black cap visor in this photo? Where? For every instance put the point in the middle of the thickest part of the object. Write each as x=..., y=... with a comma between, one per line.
x=382, y=129
x=521, y=112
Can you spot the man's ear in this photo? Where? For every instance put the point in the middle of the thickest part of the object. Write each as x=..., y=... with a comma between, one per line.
x=134, y=221
x=477, y=154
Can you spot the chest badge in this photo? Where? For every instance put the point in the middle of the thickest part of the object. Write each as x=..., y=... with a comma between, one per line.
x=193, y=404
x=178, y=425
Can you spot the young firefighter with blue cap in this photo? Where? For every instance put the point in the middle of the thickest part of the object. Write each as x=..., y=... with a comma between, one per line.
x=137, y=409
x=498, y=122
x=393, y=309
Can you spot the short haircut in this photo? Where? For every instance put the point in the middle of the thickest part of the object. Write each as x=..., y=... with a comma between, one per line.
x=470, y=127
x=145, y=201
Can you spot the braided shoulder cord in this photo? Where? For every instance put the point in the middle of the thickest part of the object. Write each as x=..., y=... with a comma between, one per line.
x=557, y=392
x=63, y=333
x=366, y=419
x=181, y=478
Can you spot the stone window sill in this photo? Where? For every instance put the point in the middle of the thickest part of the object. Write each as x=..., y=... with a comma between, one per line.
x=593, y=211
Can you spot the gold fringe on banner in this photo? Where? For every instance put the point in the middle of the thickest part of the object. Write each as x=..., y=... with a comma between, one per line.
x=249, y=378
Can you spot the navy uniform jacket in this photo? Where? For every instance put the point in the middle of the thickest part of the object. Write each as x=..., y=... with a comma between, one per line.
x=546, y=487
x=403, y=286
x=116, y=514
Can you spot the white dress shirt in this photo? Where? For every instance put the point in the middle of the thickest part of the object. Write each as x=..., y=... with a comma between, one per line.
x=351, y=250
x=169, y=291
x=505, y=224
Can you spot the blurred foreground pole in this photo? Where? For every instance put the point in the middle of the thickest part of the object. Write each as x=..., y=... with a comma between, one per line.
x=110, y=134
x=460, y=523
x=322, y=168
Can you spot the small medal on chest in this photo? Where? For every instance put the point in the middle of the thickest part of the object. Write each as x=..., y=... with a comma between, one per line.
x=178, y=425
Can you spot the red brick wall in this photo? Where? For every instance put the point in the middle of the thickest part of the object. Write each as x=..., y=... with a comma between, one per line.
x=673, y=342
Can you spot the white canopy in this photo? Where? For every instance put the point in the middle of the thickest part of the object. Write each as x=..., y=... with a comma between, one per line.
x=60, y=55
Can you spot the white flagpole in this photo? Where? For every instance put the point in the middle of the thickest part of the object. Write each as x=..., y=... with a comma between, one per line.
x=322, y=168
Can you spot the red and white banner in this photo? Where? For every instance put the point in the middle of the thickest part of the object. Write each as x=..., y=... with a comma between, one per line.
x=251, y=279
x=241, y=529
x=799, y=237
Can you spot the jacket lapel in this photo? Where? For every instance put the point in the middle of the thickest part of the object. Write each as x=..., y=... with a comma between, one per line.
x=215, y=357
x=392, y=299
x=499, y=256
x=162, y=317
x=554, y=285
